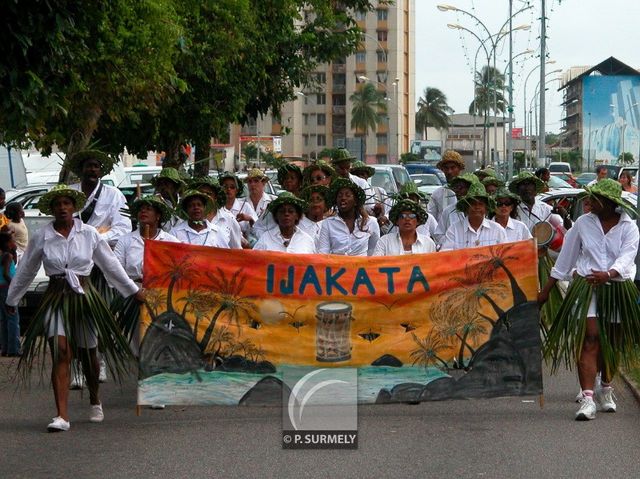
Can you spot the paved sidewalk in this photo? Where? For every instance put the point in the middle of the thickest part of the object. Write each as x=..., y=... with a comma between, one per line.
x=501, y=438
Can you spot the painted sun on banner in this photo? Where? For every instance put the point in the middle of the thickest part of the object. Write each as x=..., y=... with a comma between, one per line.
x=222, y=326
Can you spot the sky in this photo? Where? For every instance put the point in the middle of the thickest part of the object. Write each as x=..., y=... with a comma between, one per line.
x=579, y=32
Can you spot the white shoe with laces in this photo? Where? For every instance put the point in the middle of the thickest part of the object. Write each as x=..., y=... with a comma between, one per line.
x=605, y=400
x=597, y=386
x=95, y=413
x=58, y=425
x=587, y=409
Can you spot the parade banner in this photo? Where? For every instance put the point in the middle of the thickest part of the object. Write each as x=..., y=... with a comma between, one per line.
x=226, y=326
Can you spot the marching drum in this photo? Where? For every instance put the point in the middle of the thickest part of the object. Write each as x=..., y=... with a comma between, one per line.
x=548, y=235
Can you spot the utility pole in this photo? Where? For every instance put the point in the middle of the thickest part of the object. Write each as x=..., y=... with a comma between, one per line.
x=543, y=59
x=509, y=158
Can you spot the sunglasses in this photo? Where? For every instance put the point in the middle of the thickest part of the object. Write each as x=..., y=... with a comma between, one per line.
x=504, y=203
x=408, y=216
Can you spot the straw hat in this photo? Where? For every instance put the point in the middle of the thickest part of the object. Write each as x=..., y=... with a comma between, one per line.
x=170, y=174
x=228, y=175
x=363, y=167
x=78, y=197
x=284, y=169
x=340, y=183
x=325, y=167
x=408, y=205
x=256, y=173
x=451, y=156
x=208, y=201
x=155, y=202
x=611, y=190
x=287, y=198
x=476, y=192
x=76, y=161
x=342, y=154
x=321, y=189
x=221, y=196
x=523, y=177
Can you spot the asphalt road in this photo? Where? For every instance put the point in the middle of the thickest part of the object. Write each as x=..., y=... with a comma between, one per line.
x=498, y=438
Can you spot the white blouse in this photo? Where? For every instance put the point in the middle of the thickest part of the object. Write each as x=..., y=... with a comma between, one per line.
x=273, y=240
x=440, y=199
x=210, y=235
x=312, y=228
x=72, y=256
x=130, y=251
x=242, y=206
x=391, y=245
x=461, y=235
x=516, y=230
x=107, y=212
x=335, y=237
x=227, y=222
x=587, y=247
x=450, y=216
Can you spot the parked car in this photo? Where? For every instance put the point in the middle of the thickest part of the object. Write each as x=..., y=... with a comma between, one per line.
x=390, y=177
x=614, y=171
x=559, y=167
x=583, y=179
x=568, y=198
x=426, y=182
x=139, y=175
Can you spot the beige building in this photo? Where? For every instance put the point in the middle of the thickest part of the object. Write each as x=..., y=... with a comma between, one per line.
x=320, y=116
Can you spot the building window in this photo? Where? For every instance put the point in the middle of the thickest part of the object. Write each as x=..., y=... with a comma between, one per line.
x=382, y=15
x=382, y=56
x=361, y=57
x=321, y=77
x=305, y=118
x=382, y=139
x=321, y=99
x=306, y=140
x=360, y=15
x=382, y=77
x=321, y=119
x=321, y=140
x=382, y=35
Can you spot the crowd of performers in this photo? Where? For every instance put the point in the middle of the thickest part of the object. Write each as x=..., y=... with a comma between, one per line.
x=94, y=259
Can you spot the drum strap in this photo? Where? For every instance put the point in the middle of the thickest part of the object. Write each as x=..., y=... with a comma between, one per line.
x=86, y=214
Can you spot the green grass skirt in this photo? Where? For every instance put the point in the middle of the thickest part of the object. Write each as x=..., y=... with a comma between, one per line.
x=550, y=309
x=60, y=299
x=615, y=301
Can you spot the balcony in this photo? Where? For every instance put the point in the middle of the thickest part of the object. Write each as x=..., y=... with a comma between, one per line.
x=339, y=109
x=339, y=88
x=339, y=68
x=339, y=129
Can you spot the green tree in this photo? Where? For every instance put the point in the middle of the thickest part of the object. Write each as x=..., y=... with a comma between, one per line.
x=369, y=108
x=487, y=82
x=626, y=158
x=408, y=158
x=433, y=111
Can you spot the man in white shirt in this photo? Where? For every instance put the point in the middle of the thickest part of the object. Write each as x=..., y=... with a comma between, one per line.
x=451, y=214
x=531, y=210
x=451, y=165
x=341, y=161
x=602, y=173
x=103, y=209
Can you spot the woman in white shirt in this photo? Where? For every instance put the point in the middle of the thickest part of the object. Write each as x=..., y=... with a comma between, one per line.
x=239, y=207
x=407, y=215
x=506, y=215
x=151, y=213
x=318, y=208
x=352, y=231
x=72, y=314
x=475, y=229
x=218, y=215
x=286, y=237
x=196, y=229
x=598, y=324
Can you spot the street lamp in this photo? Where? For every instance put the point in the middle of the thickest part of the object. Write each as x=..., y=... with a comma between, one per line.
x=494, y=44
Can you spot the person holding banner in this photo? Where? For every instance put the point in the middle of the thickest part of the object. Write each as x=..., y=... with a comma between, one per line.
x=406, y=215
x=318, y=173
x=506, y=215
x=287, y=209
x=598, y=324
x=352, y=231
x=475, y=229
x=409, y=191
x=72, y=315
x=151, y=213
x=197, y=230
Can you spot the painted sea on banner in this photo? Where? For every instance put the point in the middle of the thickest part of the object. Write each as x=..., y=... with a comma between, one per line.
x=225, y=326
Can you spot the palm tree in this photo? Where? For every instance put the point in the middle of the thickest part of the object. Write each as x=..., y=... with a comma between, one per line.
x=178, y=270
x=473, y=287
x=227, y=296
x=428, y=351
x=487, y=81
x=497, y=259
x=433, y=110
x=369, y=108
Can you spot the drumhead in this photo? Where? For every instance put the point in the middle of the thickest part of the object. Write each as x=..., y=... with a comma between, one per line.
x=334, y=307
x=543, y=232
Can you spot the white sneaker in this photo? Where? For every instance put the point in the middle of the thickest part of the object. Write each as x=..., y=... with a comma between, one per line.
x=58, y=425
x=95, y=413
x=102, y=377
x=157, y=406
x=77, y=379
x=605, y=399
x=579, y=396
x=587, y=409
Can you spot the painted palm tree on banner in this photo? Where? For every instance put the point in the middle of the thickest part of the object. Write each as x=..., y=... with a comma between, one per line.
x=433, y=111
x=369, y=108
x=487, y=81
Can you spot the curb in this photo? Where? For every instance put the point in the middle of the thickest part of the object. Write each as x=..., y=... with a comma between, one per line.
x=631, y=385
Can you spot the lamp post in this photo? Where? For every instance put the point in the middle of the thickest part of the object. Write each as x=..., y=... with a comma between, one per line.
x=444, y=8
x=537, y=105
x=400, y=122
x=549, y=62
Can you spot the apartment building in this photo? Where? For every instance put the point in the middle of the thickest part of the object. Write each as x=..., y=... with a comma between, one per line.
x=320, y=116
